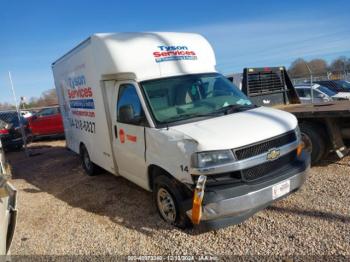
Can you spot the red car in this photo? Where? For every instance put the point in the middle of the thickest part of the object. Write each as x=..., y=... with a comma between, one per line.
x=47, y=122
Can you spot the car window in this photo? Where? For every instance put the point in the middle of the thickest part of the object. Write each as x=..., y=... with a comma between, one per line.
x=318, y=94
x=9, y=117
x=307, y=92
x=128, y=97
x=300, y=92
x=48, y=112
x=343, y=84
x=327, y=91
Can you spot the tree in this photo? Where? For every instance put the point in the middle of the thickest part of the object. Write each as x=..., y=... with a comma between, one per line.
x=318, y=66
x=6, y=106
x=339, y=65
x=348, y=65
x=298, y=68
x=47, y=98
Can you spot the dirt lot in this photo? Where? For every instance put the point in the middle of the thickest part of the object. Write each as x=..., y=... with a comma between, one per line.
x=63, y=211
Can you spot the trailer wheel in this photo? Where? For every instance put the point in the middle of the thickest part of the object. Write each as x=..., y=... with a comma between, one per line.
x=90, y=168
x=314, y=141
x=167, y=198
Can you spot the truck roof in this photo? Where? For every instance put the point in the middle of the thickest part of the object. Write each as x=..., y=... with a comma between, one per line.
x=148, y=55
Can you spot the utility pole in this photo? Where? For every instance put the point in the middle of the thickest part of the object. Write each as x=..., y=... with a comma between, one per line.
x=311, y=82
x=19, y=116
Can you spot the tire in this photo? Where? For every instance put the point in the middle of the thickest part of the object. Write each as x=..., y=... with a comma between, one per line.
x=90, y=168
x=314, y=140
x=167, y=192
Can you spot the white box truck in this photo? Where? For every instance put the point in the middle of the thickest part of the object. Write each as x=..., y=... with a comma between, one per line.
x=151, y=107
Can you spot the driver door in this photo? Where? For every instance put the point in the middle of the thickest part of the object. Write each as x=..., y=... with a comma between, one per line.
x=43, y=122
x=128, y=124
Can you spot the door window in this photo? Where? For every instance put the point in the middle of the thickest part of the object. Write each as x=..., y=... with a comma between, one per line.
x=307, y=93
x=48, y=112
x=129, y=109
x=318, y=94
x=300, y=92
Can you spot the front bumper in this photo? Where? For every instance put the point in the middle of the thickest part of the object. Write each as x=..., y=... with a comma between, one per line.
x=232, y=205
x=9, y=142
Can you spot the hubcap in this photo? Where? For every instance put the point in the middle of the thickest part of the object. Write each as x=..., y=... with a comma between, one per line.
x=307, y=142
x=166, y=205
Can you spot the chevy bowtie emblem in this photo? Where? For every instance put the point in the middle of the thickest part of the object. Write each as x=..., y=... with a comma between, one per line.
x=273, y=154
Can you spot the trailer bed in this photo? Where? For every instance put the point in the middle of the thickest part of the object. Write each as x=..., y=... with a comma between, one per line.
x=329, y=109
x=324, y=127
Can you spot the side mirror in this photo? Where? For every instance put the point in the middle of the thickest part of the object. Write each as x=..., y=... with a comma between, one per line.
x=34, y=117
x=126, y=114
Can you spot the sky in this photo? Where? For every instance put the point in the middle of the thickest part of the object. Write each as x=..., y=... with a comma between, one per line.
x=252, y=33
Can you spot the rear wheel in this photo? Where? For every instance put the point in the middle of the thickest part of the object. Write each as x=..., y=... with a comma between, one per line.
x=167, y=197
x=90, y=168
x=314, y=140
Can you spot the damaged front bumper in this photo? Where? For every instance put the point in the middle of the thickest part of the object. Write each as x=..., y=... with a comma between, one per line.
x=223, y=206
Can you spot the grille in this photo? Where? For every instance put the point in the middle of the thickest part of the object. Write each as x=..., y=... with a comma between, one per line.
x=265, y=82
x=221, y=179
x=262, y=147
x=269, y=168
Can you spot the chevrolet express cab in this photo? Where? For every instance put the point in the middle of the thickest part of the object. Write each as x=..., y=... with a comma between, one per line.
x=151, y=107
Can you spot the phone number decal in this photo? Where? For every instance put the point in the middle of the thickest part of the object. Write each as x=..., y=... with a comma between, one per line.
x=86, y=126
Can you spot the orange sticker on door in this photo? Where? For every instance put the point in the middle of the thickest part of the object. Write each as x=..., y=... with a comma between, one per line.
x=122, y=136
x=131, y=138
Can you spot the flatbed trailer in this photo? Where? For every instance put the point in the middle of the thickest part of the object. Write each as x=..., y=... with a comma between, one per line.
x=325, y=127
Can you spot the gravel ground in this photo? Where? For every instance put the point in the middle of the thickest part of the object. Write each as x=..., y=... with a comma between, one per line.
x=63, y=211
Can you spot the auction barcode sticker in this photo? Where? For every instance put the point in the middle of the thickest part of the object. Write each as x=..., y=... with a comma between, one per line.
x=280, y=189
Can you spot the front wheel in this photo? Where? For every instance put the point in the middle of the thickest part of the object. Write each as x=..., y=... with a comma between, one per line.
x=167, y=198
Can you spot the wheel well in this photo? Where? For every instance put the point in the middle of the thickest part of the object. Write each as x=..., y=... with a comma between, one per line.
x=153, y=172
x=321, y=142
x=81, y=145
x=321, y=126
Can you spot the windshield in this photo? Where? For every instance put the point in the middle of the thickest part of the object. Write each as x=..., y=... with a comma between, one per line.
x=326, y=91
x=343, y=84
x=191, y=96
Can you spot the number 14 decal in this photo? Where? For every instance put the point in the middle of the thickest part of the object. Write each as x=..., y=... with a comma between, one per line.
x=184, y=168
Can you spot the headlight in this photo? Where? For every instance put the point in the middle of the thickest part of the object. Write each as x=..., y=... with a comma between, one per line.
x=212, y=158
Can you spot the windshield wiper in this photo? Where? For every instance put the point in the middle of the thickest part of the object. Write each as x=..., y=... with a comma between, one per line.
x=184, y=116
x=226, y=110
x=233, y=108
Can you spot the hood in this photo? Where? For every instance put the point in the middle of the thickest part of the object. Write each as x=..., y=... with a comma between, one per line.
x=345, y=95
x=238, y=129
